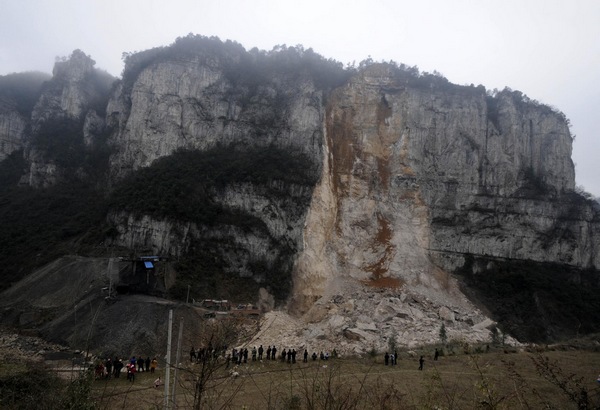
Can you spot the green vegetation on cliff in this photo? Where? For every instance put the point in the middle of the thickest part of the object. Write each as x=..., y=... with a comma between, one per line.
x=184, y=187
x=537, y=302
x=180, y=186
x=40, y=225
x=242, y=68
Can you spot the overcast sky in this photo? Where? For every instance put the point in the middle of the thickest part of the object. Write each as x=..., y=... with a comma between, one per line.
x=548, y=49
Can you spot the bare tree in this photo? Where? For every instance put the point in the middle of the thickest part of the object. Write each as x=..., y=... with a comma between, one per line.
x=209, y=381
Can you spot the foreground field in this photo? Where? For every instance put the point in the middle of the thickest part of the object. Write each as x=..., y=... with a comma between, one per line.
x=497, y=380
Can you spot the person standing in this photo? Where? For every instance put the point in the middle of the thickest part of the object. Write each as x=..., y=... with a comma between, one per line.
x=153, y=365
x=305, y=356
x=269, y=352
x=132, y=373
x=118, y=365
x=260, y=352
x=421, y=361
x=109, y=368
x=436, y=354
x=386, y=358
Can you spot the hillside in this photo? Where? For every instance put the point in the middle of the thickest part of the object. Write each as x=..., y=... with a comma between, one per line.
x=367, y=203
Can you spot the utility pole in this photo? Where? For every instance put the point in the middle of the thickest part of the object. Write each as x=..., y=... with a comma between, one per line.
x=168, y=361
x=109, y=271
x=177, y=357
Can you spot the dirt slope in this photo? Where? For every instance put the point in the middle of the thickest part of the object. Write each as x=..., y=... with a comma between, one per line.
x=66, y=302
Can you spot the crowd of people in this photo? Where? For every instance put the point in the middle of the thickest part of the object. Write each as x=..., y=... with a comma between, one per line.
x=110, y=368
x=391, y=359
x=242, y=355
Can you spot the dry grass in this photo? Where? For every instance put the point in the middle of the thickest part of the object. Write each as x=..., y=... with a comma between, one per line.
x=492, y=381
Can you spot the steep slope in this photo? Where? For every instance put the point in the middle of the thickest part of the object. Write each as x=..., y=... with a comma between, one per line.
x=254, y=121
x=422, y=178
x=67, y=123
x=18, y=94
x=67, y=301
x=360, y=199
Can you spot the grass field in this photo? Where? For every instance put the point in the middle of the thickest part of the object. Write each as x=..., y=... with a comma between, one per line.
x=495, y=380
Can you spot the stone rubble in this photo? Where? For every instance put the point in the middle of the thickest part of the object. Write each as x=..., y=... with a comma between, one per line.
x=367, y=320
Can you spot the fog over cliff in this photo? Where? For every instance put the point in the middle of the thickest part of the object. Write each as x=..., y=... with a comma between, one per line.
x=547, y=49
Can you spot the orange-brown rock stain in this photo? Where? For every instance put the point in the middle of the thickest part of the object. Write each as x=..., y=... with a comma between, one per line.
x=379, y=272
x=387, y=282
x=342, y=152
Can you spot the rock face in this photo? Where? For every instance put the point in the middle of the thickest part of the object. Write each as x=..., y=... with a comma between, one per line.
x=12, y=128
x=417, y=177
x=203, y=102
x=408, y=176
x=65, y=118
x=413, y=177
x=18, y=93
x=69, y=93
x=194, y=104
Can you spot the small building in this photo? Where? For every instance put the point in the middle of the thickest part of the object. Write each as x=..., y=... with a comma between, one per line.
x=217, y=305
x=143, y=274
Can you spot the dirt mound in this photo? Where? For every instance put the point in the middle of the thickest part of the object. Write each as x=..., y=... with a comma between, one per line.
x=67, y=302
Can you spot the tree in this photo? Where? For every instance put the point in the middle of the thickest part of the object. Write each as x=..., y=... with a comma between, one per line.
x=495, y=335
x=443, y=335
x=210, y=382
x=392, y=342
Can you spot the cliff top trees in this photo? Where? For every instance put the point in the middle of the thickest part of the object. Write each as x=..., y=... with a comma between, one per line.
x=243, y=66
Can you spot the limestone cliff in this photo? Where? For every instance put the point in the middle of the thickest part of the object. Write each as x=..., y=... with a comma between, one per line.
x=12, y=128
x=417, y=175
x=352, y=195
x=65, y=120
x=18, y=94
x=209, y=101
x=203, y=100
